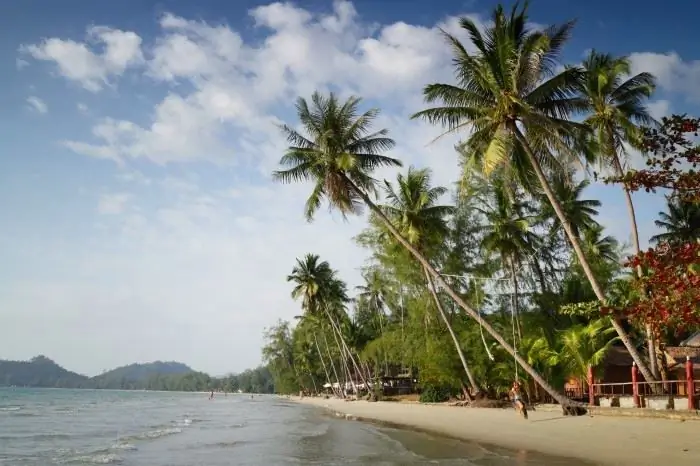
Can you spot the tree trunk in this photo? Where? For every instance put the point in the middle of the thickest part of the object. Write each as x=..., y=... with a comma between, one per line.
x=563, y=400
x=470, y=376
x=347, y=349
x=380, y=313
x=323, y=363
x=651, y=344
x=330, y=357
x=515, y=300
x=343, y=358
x=540, y=276
x=616, y=323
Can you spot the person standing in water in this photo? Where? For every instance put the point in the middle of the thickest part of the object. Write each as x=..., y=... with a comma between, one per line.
x=211, y=397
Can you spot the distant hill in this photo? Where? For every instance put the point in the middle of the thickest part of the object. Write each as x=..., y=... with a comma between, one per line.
x=40, y=372
x=137, y=374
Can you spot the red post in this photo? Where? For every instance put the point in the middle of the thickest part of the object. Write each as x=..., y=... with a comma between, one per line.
x=591, y=394
x=635, y=386
x=690, y=383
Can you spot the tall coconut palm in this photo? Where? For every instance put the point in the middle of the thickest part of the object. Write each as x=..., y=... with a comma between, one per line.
x=315, y=283
x=509, y=94
x=682, y=222
x=616, y=108
x=372, y=295
x=507, y=233
x=413, y=208
x=338, y=155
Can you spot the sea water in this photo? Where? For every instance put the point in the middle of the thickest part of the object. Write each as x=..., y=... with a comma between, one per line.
x=48, y=427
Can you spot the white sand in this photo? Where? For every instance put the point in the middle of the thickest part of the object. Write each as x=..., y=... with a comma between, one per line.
x=601, y=439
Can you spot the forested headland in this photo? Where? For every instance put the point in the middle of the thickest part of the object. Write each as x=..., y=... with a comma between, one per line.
x=42, y=372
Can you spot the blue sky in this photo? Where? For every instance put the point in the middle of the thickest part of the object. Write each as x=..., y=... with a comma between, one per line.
x=137, y=138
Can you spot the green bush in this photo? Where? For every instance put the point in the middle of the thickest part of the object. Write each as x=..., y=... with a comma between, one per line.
x=434, y=394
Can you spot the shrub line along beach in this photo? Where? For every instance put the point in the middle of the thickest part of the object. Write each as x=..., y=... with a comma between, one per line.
x=599, y=439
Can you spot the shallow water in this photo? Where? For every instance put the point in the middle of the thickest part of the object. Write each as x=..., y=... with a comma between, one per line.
x=46, y=427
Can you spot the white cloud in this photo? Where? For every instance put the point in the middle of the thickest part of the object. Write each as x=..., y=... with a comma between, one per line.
x=82, y=108
x=37, y=105
x=112, y=204
x=76, y=61
x=672, y=73
x=191, y=262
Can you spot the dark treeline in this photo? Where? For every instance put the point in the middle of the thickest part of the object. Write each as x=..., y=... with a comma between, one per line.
x=42, y=372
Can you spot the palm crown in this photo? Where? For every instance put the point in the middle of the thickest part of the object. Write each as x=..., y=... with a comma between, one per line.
x=615, y=105
x=337, y=153
x=507, y=86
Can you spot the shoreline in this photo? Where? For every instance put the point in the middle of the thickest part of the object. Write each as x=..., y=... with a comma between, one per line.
x=598, y=439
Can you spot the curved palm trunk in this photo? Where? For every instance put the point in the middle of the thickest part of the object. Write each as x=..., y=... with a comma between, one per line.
x=563, y=400
x=616, y=323
x=515, y=300
x=323, y=363
x=343, y=360
x=347, y=349
x=335, y=372
x=470, y=376
x=651, y=344
x=313, y=382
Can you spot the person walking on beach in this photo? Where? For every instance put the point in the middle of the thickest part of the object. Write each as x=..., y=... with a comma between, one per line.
x=517, y=399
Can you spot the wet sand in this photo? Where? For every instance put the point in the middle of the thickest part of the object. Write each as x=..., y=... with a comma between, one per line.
x=598, y=439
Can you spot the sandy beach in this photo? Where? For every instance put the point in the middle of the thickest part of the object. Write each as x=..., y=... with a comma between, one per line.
x=599, y=439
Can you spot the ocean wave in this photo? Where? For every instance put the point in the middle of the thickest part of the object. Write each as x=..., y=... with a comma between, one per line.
x=124, y=446
x=95, y=459
x=157, y=433
x=21, y=413
x=231, y=444
x=10, y=408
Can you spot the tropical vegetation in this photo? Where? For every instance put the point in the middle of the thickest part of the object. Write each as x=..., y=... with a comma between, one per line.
x=508, y=274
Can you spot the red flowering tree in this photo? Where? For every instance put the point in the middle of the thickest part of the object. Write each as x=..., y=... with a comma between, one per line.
x=667, y=294
x=672, y=159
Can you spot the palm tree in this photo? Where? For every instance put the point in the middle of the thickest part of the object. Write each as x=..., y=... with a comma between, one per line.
x=615, y=108
x=580, y=212
x=507, y=233
x=517, y=106
x=586, y=345
x=372, y=295
x=615, y=111
x=319, y=289
x=412, y=207
x=338, y=157
x=682, y=222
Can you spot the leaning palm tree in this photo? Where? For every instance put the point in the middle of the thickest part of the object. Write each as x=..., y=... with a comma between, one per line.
x=320, y=291
x=682, y=222
x=412, y=207
x=615, y=110
x=518, y=107
x=338, y=155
